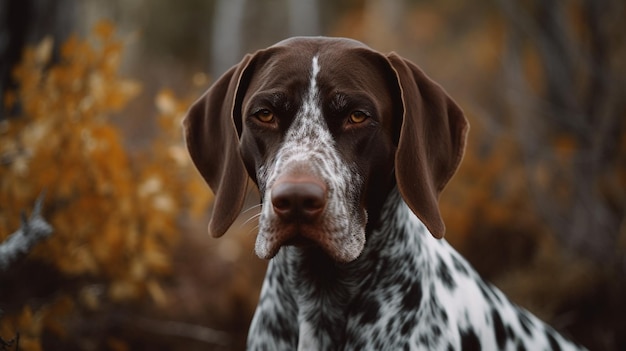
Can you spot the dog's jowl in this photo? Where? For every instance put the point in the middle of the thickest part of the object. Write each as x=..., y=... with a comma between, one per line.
x=349, y=149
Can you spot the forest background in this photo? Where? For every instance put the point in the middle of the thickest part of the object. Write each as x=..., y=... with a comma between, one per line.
x=92, y=97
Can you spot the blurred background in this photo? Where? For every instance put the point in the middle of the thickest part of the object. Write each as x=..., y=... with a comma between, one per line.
x=93, y=92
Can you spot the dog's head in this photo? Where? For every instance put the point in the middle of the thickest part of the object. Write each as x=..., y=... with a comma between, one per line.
x=321, y=125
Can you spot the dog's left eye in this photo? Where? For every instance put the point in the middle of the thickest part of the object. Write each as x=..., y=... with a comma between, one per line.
x=264, y=115
x=357, y=117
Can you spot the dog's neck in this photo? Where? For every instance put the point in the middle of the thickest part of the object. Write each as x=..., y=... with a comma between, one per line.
x=324, y=291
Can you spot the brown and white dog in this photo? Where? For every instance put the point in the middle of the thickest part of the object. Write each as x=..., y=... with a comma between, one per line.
x=350, y=149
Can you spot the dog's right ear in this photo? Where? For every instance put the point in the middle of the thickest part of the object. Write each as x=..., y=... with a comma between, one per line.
x=212, y=139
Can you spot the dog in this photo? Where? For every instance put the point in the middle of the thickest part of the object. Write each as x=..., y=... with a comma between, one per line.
x=349, y=149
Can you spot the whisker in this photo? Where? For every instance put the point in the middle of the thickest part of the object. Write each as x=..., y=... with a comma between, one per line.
x=253, y=217
x=251, y=208
x=254, y=230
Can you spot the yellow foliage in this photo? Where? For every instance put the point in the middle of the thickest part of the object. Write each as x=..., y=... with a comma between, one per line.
x=29, y=327
x=115, y=217
x=29, y=323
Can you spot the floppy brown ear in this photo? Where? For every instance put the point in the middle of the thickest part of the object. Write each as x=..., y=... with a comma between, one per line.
x=212, y=141
x=431, y=143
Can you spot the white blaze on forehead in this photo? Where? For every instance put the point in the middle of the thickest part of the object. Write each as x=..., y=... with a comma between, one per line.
x=308, y=138
x=316, y=70
x=309, y=119
x=308, y=143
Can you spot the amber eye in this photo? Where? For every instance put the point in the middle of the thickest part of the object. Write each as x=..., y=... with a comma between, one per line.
x=357, y=117
x=264, y=115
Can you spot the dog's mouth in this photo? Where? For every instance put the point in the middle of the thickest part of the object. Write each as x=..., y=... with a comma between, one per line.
x=269, y=241
x=299, y=241
x=343, y=245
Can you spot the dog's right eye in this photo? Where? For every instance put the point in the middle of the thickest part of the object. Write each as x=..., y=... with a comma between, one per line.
x=357, y=117
x=264, y=115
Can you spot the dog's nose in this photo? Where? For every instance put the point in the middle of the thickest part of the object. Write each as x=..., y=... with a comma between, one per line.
x=298, y=199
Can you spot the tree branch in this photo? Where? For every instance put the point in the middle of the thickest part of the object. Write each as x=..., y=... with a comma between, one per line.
x=32, y=230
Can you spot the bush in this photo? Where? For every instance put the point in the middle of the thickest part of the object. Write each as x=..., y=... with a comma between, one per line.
x=116, y=216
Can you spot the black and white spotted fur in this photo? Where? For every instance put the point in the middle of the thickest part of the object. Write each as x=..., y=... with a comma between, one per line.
x=407, y=291
x=367, y=274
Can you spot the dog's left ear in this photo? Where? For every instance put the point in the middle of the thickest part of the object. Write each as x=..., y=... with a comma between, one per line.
x=431, y=143
x=213, y=143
